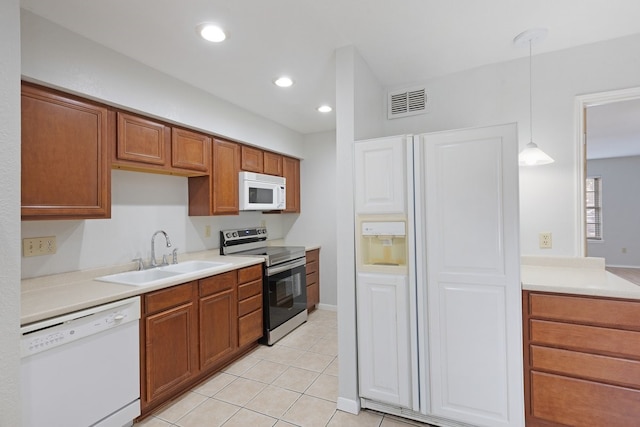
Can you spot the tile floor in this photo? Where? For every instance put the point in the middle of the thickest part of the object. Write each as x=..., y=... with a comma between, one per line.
x=292, y=383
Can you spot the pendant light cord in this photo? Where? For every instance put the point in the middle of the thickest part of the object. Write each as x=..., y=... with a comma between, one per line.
x=530, y=95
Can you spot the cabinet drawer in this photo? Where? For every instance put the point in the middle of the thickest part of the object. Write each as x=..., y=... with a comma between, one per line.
x=594, y=311
x=249, y=274
x=611, y=370
x=168, y=297
x=575, y=402
x=250, y=304
x=250, y=328
x=312, y=278
x=586, y=338
x=312, y=266
x=218, y=283
x=250, y=289
x=313, y=256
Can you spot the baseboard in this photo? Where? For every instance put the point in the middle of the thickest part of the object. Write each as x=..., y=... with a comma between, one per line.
x=622, y=266
x=327, y=307
x=348, y=405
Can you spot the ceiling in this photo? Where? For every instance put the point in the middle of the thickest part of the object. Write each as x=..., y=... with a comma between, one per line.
x=403, y=41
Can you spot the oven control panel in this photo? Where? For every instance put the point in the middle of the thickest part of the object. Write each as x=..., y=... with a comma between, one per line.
x=243, y=235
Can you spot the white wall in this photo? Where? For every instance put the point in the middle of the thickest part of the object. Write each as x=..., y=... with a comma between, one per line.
x=317, y=223
x=10, y=213
x=498, y=93
x=359, y=115
x=141, y=203
x=621, y=228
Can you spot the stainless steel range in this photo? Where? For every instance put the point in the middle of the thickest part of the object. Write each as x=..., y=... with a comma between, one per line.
x=284, y=283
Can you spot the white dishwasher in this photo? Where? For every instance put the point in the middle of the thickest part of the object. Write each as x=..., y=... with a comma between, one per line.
x=82, y=369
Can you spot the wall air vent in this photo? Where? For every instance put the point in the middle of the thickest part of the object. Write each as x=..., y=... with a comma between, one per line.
x=406, y=102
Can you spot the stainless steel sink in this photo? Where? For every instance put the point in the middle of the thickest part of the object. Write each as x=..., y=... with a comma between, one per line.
x=187, y=270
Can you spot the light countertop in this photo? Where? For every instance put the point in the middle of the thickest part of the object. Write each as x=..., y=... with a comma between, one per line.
x=579, y=276
x=49, y=296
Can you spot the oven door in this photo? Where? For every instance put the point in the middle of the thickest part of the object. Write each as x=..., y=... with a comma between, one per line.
x=286, y=292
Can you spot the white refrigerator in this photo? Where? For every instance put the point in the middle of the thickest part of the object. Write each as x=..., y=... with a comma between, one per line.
x=439, y=320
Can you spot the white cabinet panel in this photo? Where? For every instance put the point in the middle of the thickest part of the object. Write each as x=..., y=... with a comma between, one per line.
x=383, y=338
x=380, y=175
x=468, y=191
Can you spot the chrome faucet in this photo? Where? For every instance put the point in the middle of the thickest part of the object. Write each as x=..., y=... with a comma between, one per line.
x=153, y=261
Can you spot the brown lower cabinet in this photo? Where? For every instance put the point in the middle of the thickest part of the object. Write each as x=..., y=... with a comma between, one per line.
x=313, y=279
x=190, y=331
x=581, y=360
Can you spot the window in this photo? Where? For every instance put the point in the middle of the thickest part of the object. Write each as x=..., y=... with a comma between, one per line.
x=593, y=199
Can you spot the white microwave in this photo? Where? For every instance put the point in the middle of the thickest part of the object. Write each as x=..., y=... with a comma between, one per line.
x=260, y=192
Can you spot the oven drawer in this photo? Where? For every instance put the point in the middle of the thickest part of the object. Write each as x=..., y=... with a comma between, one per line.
x=590, y=339
x=250, y=304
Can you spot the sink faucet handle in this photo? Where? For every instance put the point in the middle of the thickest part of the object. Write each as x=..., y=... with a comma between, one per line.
x=174, y=254
x=140, y=263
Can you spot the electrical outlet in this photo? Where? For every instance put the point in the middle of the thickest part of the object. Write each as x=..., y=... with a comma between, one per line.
x=207, y=231
x=35, y=246
x=544, y=240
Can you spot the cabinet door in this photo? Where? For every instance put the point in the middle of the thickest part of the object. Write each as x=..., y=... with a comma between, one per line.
x=141, y=140
x=272, y=163
x=171, y=358
x=467, y=216
x=65, y=156
x=383, y=338
x=380, y=175
x=226, y=166
x=252, y=159
x=218, y=320
x=291, y=172
x=190, y=150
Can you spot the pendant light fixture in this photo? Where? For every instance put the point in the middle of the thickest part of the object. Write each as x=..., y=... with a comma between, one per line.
x=531, y=155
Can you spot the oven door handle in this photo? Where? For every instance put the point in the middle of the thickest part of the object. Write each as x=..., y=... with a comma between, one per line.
x=286, y=266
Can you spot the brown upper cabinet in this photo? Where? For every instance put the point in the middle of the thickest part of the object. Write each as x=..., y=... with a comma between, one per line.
x=252, y=159
x=291, y=172
x=272, y=163
x=65, y=156
x=260, y=161
x=148, y=145
x=217, y=193
x=190, y=150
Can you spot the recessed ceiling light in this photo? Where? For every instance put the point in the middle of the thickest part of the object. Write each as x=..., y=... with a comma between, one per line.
x=211, y=32
x=324, y=109
x=283, y=81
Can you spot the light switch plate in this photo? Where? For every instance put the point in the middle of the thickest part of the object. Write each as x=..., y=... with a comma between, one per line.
x=35, y=246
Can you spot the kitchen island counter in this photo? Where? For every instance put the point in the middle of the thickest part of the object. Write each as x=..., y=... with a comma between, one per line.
x=48, y=296
x=573, y=275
